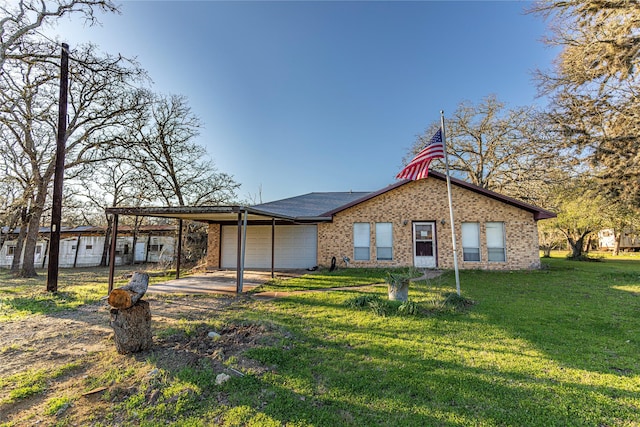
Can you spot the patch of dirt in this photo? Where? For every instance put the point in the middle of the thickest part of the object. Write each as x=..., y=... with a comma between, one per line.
x=182, y=329
x=59, y=338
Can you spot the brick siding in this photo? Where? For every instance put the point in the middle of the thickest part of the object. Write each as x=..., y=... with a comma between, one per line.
x=213, y=246
x=426, y=201
x=421, y=201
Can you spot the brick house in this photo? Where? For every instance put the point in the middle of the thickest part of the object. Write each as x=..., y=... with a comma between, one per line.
x=404, y=224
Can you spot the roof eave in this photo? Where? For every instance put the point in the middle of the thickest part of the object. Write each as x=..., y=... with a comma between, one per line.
x=538, y=213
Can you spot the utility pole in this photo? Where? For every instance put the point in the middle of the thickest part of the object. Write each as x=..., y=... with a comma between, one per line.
x=56, y=211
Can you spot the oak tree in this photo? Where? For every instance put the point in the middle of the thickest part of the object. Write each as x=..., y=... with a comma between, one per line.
x=500, y=149
x=20, y=21
x=594, y=85
x=102, y=102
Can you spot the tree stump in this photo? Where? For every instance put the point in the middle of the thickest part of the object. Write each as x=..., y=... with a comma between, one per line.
x=132, y=328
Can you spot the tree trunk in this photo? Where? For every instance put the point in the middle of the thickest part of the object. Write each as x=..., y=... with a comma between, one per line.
x=617, y=238
x=132, y=328
x=17, y=253
x=577, y=248
x=35, y=214
x=577, y=245
x=28, y=263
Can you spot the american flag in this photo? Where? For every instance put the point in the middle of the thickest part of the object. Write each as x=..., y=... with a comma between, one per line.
x=418, y=168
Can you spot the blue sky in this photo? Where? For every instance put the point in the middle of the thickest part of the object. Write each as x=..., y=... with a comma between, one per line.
x=299, y=96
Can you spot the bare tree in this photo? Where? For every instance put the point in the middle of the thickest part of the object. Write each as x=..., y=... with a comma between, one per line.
x=178, y=169
x=162, y=147
x=101, y=105
x=111, y=183
x=21, y=20
x=500, y=149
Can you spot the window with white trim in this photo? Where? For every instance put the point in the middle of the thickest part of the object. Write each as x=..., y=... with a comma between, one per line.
x=496, y=242
x=384, y=241
x=361, y=233
x=471, y=241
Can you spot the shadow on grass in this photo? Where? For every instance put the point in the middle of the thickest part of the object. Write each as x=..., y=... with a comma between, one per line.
x=348, y=369
x=578, y=317
x=381, y=364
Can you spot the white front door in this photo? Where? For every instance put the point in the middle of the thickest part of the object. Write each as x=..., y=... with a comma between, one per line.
x=424, y=244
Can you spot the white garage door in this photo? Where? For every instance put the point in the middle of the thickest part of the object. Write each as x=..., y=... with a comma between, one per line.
x=295, y=246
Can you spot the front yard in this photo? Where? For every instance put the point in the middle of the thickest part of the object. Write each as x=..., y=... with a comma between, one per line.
x=552, y=347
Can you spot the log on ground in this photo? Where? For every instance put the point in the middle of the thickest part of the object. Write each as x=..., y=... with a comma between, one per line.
x=128, y=295
x=132, y=328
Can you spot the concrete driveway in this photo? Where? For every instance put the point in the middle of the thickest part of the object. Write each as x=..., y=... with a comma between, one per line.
x=216, y=282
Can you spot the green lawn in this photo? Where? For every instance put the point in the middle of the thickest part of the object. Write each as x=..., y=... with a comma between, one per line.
x=555, y=347
x=23, y=297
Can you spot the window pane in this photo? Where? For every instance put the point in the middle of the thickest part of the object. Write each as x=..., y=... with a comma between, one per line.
x=470, y=241
x=361, y=254
x=424, y=248
x=495, y=235
x=384, y=236
x=384, y=254
x=384, y=241
x=471, y=254
x=471, y=234
x=496, y=254
x=424, y=232
x=361, y=231
x=361, y=234
x=495, y=242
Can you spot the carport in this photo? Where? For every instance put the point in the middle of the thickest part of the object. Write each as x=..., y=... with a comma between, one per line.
x=240, y=215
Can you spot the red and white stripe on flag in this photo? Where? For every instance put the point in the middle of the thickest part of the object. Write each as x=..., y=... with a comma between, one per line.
x=418, y=167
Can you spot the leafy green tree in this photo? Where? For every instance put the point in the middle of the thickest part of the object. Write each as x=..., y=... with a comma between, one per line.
x=578, y=208
x=594, y=86
x=619, y=217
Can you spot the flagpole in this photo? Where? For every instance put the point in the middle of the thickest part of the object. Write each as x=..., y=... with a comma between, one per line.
x=453, y=233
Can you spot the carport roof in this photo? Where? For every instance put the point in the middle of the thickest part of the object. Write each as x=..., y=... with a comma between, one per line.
x=197, y=213
x=305, y=208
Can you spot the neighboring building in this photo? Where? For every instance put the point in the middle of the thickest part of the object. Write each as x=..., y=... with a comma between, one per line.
x=83, y=246
x=405, y=224
x=629, y=240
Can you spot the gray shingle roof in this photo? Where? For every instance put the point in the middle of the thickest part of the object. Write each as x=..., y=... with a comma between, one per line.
x=310, y=205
